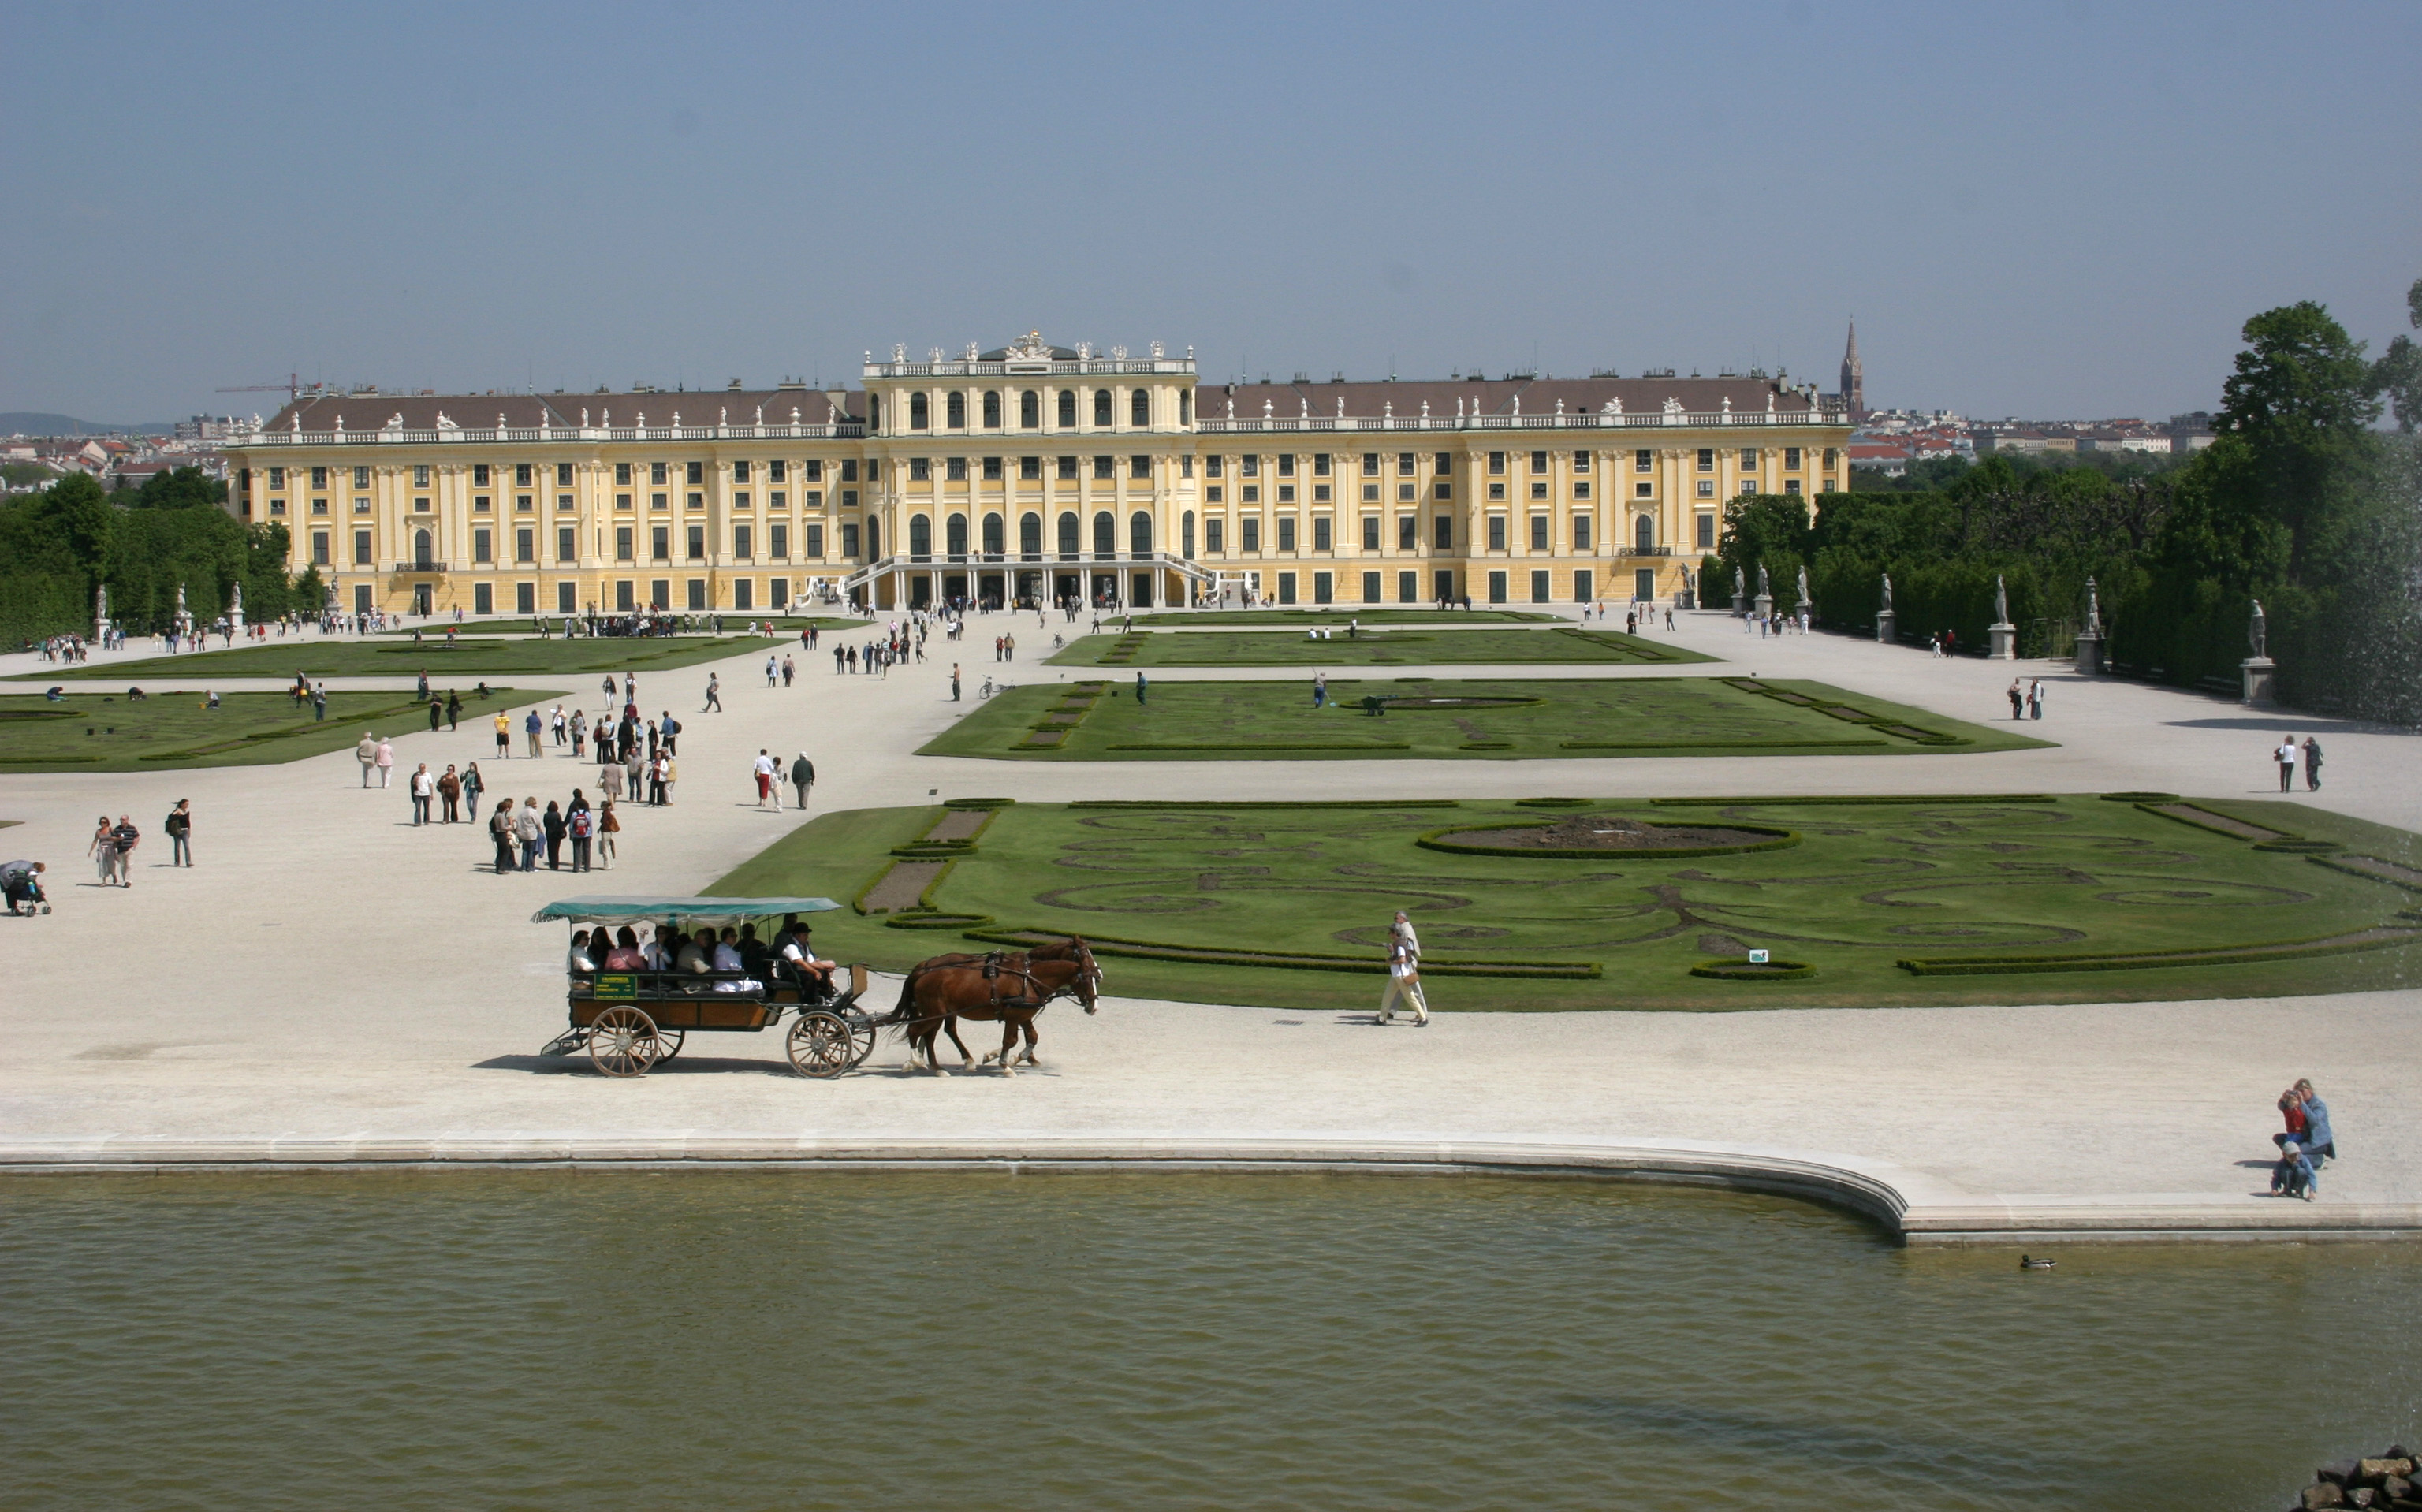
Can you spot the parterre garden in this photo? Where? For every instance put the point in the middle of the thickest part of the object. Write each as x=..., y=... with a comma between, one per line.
x=1222, y=619
x=1553, y=645
x=1859, y=901
x=1426, y=720
x=380, y=657
x=108, y=731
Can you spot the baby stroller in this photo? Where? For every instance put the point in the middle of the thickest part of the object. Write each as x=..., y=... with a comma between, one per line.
x=24, y=886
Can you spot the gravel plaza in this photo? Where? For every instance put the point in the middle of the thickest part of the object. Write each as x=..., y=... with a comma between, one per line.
x=329, y=984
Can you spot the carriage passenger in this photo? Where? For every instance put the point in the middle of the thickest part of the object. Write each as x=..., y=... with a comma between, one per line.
x=695, y=958
x=583, y=959
x=626, y=954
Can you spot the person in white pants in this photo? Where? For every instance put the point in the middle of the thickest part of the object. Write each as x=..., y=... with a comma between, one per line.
x=1404, y=973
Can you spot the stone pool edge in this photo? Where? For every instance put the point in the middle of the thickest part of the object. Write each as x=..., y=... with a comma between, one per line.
x=1912, y=1205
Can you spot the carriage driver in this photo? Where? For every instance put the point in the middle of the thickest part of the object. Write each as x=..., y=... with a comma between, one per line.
x=1404, y=973
x=799, y=956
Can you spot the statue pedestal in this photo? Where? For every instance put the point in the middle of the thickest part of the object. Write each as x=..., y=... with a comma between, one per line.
x=1885, y=622
x=2089, y=655
x=2257, y=672
x=2006, y=641
x=1765, y=605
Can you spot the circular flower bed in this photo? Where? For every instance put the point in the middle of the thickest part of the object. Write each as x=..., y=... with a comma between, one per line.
x=1588, y=836
x=1730, y=970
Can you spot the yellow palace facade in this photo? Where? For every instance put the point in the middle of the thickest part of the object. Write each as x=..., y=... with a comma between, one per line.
x=1028, y=473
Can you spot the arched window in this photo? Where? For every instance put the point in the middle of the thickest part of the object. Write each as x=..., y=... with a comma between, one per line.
x=956, y=409
x=955, y=535
x=1140, y=408
x=1030, y=410
x=994, y=546
x=1029, y=534
x=1102, y=408
x=873, y=539
x=1185, y=535
x=991, y=410
x=1106, y=534
x=921, y=412
x=423, y=551
x=1067, y=409
x=920, y=535
x=1139, y=532
x=1185, y=406
x=1643, y=533
x=1068, y=535
x=874, y=414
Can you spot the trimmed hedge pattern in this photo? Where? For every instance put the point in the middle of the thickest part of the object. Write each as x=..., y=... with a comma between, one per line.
x=1295, y=961
x=2286, y=949
x=1436, y=840
x=1729, y=970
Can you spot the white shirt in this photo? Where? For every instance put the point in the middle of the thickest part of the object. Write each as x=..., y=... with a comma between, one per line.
x=766, y=765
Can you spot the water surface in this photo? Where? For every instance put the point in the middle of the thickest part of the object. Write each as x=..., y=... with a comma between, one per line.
x=973, y=1340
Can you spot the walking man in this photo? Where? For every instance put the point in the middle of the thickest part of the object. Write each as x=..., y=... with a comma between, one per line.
x=424, y=787
x=803, y=777
x=714, y=694
x=319, y=703
x=1143, y=689
x=367, y=753
x=179, y=825
x=2018, y=700
x=2312, y=764
x=530, y=727
x=954, y=682
x=1404, y=974
x=530, y=829
x=2286, y=757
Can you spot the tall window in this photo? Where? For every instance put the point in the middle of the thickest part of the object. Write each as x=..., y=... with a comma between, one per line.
x=993, y=543
x=954, y=534
x=1185, y=535
x=1643, y=533
x=992, y=409
x=778, y=541
x=954, y=410
x=742, y=543
x=697, y=542
x=1030, y=410
x=525, y=545
x=921, y=412
x=1140, y=408
x=1102, y=408
x=921, y=536
x=1139, y=532
x=1069, y=544
x=564, y=543
x=622, y=543
x=1067, y=409
x=1369, y=536
x=481, y=549
x=1029, y=534
x=1106, y=534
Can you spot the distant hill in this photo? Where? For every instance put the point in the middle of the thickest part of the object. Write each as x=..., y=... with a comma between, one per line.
x=34, y=422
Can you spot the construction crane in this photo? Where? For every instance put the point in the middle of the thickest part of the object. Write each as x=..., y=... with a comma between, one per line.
x=292, y=388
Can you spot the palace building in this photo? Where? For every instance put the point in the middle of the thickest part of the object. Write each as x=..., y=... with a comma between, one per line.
x=1026, y=474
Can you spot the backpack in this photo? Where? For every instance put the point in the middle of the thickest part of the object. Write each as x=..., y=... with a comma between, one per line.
x=579, y=825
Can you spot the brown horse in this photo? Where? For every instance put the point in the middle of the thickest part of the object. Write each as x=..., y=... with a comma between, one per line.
x=1010, y=987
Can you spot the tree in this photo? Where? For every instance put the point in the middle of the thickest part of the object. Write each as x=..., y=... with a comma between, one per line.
x=2302, y=400
x=180, y=488
x=2399, y=372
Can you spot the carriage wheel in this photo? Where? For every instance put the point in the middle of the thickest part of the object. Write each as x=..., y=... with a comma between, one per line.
x=668, y=1044
x=862, y=1035
x=821, y=1045
x=623, y=1042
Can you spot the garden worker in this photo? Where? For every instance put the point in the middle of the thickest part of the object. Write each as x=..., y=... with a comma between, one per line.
x=1142, y=687
x=1404, y=973
x=2286, y=757
x=1319, y=689
x=367, y=753
x=803, y=777
x=21, y=882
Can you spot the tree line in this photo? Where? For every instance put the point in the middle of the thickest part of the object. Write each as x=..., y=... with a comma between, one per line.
x=58, y=545
x=2302, y=502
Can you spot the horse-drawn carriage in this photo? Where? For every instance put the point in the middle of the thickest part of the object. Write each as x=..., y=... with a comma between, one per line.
x=630, y=1021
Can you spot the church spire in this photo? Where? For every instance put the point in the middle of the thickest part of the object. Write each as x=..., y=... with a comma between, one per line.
x=1854, y=375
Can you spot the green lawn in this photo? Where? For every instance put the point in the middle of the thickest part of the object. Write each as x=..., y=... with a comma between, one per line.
x=97, y=732
x=434, y=628
x=1336, y=615
x=1403, y=648
x=1869, y=883
x=378, y=656
x=1509, y=719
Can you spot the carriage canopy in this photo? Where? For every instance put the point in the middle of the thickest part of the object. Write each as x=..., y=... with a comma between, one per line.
x=677, y=911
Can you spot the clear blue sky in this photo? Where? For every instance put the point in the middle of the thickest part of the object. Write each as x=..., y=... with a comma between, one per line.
x=2036, y=210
